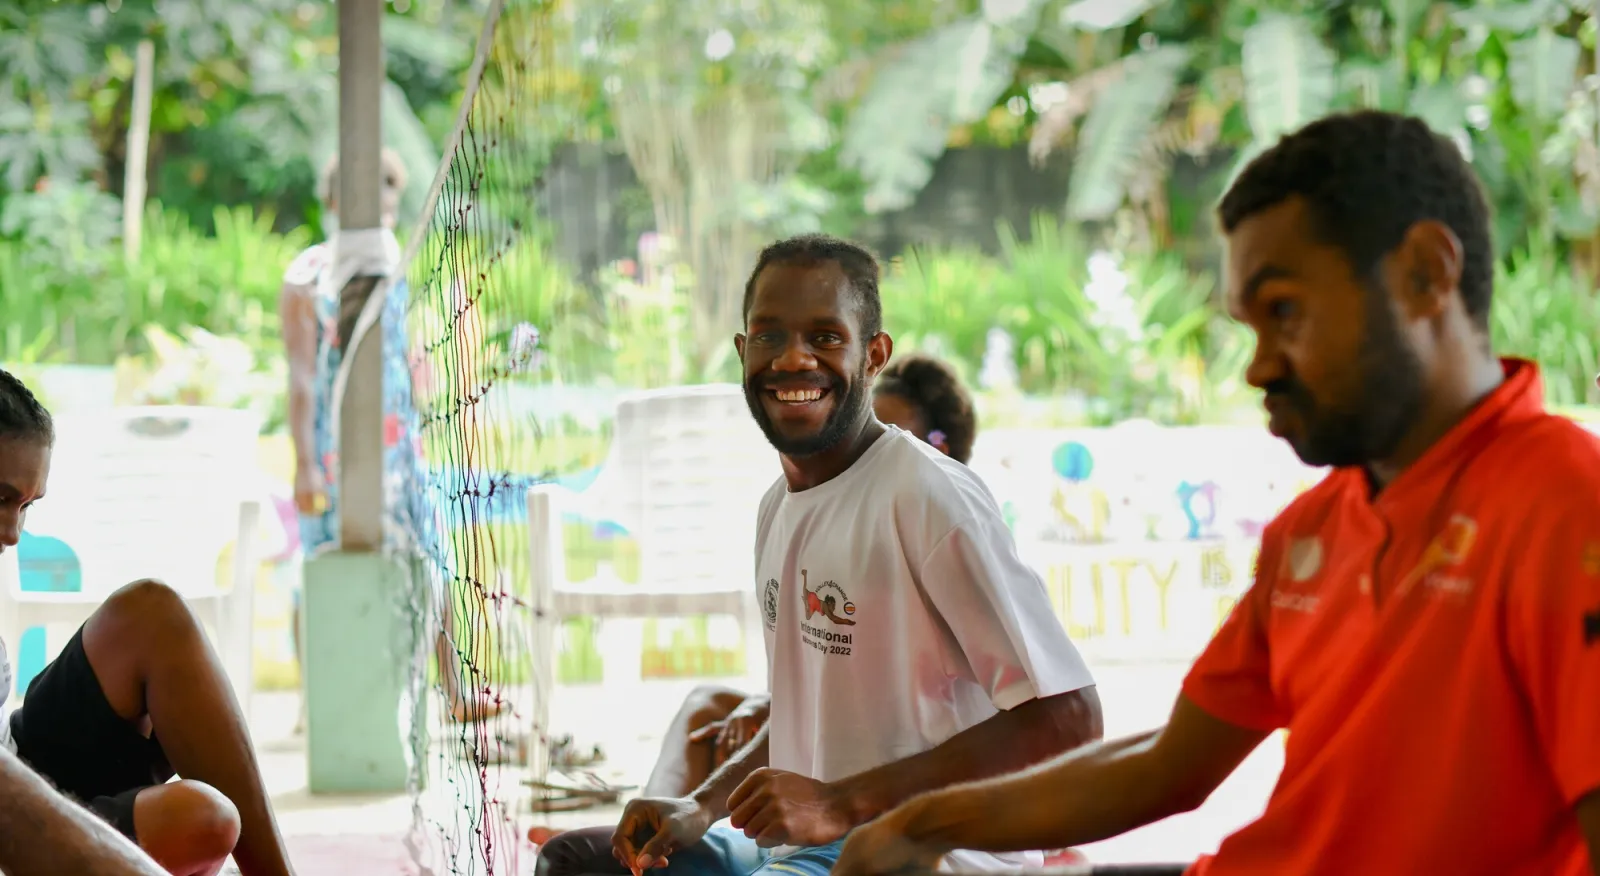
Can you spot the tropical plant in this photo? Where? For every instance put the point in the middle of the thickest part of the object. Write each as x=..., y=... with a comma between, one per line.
x=70, y=297
x=708, y=101
x=1134, y=335
x=243, y=96
x=1546, y=312
x=924, y=88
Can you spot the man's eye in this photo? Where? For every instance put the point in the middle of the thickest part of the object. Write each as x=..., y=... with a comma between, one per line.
x=1282, y=308
x=828, y=338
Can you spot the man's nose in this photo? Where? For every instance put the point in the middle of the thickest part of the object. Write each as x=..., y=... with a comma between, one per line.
x=1265, y=367
x=795, y=356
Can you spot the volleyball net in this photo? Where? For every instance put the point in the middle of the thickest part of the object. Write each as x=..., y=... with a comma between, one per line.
x=482, y=298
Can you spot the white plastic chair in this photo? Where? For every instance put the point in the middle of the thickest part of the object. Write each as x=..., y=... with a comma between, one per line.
x=157, y=493
x=685, y=476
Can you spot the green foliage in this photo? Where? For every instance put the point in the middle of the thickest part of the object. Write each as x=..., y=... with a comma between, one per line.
x=948, y=77
x=1117, y=130
x=1543, y=312
x=1132, y=335
x=1289, y=78
x=244, y=96
x=67, y=296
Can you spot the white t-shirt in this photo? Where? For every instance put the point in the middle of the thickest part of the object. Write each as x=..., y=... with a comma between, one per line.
x=6, y=741
x=898, y=614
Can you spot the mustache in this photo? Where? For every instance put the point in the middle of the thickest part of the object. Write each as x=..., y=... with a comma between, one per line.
x=818, y=381
x=1290, y=390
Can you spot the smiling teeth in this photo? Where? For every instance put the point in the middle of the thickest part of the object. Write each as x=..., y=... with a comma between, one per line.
x=798, y=395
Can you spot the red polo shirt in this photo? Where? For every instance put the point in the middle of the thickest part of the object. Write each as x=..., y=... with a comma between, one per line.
x=1434, y=653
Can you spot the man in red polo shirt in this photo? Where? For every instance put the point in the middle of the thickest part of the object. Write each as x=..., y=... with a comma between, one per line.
x=1425, y=622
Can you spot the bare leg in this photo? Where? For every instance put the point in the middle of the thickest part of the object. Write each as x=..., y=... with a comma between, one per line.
x=158, y=671
x=189, y=828
x=467, y=703
x=299, y=661
x=44, y=834
x=683, y=764
x=465, y=706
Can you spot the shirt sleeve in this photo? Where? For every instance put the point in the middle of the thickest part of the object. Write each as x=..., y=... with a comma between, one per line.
x=1232, y=680
x=1006, y=633
x=1553, y=636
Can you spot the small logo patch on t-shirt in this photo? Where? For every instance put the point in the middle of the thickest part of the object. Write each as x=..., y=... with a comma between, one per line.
x=769, y=603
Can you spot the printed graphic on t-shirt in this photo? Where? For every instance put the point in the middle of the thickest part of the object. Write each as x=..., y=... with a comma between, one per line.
x=1448, y=550
x=826, y=606
x=769, y=603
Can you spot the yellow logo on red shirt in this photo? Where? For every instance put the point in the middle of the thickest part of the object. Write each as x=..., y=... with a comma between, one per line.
x=1591, y=559
x=1449, y=548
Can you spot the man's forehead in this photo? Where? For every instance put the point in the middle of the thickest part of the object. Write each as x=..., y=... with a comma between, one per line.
x=821, y=276
x=1271, y=236
x=786, y=288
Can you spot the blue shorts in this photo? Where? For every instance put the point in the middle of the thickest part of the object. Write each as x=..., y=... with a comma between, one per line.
x=728, y=852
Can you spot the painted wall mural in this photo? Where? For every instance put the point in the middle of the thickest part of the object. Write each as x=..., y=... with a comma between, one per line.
x=1145, y=535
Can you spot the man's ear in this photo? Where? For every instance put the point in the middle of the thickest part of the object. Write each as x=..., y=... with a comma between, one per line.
x=738, y=344
x=879, y=348
x=1427, y=267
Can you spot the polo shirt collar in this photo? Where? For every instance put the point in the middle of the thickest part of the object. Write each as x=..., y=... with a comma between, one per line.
x=1518, y=398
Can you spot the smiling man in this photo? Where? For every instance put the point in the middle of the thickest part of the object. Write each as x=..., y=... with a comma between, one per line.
x=1418, y=621
x=909, y=647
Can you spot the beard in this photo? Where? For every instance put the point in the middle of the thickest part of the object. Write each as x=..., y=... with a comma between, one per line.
x=850, y=406
x=1376, y=409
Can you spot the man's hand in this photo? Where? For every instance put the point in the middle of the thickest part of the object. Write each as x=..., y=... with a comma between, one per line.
x=735, y=731
x=310, y=493
x=881, y=846
x=653, y=828
x=777, y=808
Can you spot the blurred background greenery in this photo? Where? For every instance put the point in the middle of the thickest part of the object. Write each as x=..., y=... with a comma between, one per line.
x=1039, y=176
x=1091, y=286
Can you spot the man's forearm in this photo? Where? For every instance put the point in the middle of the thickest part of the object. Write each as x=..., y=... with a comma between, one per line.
x=43, y=833
x=1090, y=794
x=1010, y=741
x=714, y=793
x=302, y=419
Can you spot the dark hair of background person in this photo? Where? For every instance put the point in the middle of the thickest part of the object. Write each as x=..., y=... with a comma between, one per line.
x=937, y=393
x=21, y=414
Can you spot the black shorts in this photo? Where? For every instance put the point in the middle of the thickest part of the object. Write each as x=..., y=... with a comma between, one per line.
x=68, y=733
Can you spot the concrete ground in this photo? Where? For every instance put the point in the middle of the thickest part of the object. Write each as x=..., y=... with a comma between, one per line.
x=628, y=724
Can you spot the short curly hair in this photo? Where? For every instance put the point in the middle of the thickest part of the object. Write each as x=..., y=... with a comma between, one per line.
x=21, y=414
x=860, y=267
x=938, y=395
x=1366, y=178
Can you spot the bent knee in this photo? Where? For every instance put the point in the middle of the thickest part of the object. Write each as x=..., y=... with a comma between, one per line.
x=185, y=823
x=147, y=600
x=708, y=703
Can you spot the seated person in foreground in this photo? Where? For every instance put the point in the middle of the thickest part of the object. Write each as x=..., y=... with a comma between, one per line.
x=908, y=646
x=44, y=834
x=136, y=697
x=1425, y=622
x=919, y=394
